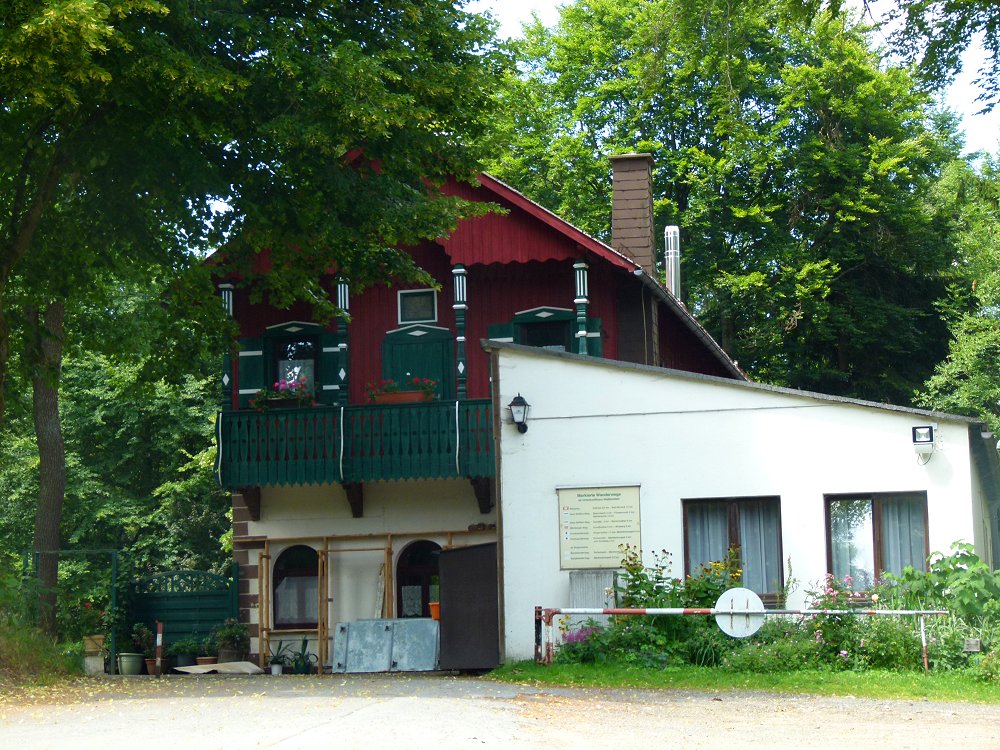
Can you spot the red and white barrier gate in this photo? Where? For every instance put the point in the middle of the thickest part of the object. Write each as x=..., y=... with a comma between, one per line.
x=738, y=613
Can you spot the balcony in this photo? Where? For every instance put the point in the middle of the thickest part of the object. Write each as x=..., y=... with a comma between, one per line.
x=350, y=444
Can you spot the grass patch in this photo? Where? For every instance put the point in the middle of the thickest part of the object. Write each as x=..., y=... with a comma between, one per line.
x=27, y=656
x=941, y=686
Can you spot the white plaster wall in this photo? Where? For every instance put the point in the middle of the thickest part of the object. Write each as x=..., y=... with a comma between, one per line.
x=412, y=509
x=679, y=438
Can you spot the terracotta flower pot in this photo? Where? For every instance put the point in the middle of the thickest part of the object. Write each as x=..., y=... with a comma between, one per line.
x=401, y=397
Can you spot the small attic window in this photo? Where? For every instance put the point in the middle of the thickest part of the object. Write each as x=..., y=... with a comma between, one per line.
x=417, y=306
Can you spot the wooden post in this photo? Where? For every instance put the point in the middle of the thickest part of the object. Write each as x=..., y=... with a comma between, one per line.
x=460, y=306
x=159, y=649
x=581, y=302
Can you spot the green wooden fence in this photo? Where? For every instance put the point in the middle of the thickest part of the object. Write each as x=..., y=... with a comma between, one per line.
x=189, y=603
x=431, y=440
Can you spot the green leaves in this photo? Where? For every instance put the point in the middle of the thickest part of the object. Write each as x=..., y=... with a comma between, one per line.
x=793, y=157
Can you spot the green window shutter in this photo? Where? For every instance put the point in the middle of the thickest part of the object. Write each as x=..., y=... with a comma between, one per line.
x=420, y=352
x=328, y=371
x=253, y=368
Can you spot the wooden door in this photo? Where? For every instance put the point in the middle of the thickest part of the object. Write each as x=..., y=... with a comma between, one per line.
x=470, y=609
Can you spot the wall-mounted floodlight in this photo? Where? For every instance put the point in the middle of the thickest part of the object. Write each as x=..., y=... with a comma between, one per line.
x=923, y=440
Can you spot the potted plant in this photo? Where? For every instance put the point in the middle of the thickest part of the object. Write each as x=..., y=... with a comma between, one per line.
x=425, y=386
x=302, y=660
x=90, y=620
x=130, y=662
x=391, y=392
x=232, y=639
x=280, y=659
x=183, y=652
x=284, y=394
x=208, y=650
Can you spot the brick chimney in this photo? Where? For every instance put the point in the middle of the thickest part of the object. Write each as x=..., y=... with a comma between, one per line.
x=632, y=209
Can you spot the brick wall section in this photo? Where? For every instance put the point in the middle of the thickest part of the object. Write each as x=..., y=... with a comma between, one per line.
x=632, y=209
x=247, y=601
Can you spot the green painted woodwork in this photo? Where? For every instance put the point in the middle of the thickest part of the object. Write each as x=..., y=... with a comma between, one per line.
x=518, y=329
x=544, y=314
x=189, y=603
x=258, y=370
x=380, y=442
x=420, y=351
x=328, y=366
x=252, y=368
x=595, y=344
x=500, y=331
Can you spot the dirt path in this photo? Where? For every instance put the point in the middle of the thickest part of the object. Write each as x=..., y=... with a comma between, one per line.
x=433, y=711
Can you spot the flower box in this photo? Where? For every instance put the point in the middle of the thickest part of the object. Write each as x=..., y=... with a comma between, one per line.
x=401, y=397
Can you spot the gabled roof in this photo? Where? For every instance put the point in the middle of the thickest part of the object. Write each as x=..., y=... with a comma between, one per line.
x=482, y=241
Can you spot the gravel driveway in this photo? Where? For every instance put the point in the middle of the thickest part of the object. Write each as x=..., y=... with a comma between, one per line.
x=440, y=711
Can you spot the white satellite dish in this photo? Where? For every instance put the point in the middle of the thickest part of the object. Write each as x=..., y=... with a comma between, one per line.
x=739, y=613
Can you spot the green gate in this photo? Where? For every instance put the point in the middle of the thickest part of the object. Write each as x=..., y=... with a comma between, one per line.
x=189, y=603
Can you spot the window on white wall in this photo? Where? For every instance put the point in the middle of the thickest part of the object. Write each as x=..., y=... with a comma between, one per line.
x=751, y=526
x=871, y=534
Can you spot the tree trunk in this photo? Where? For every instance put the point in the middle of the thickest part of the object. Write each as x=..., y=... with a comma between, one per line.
x=46, y=362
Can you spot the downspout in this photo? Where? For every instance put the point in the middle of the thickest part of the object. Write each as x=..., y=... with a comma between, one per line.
x=498, y=479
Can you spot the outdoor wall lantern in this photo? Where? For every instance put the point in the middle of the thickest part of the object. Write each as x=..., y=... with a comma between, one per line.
x=519, y=412
x=923, y=441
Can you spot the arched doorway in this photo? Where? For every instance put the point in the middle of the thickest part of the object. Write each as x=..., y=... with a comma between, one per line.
x=296, y=588
x=417, y=578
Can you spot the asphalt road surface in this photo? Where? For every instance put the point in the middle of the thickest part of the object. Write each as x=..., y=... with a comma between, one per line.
x=444, y=711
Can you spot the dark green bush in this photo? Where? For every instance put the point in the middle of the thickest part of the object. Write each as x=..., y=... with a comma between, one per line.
x=779, y=646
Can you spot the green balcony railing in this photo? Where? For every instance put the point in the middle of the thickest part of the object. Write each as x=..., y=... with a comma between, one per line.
x=432, y=440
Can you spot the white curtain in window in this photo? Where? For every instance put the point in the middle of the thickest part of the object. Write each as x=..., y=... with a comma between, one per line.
x=295, y=600
x=904, y=537
x=852, y=542
x=708, y=533
x=760, y=523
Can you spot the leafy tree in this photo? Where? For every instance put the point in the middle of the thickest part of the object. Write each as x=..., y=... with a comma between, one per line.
x=791, y=156
x=968, y=380
x=937, y=32
x=327, y=129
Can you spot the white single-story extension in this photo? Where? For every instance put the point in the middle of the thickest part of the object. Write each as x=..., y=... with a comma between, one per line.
x=803, y=483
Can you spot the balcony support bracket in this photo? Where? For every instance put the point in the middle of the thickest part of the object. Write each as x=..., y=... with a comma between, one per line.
x=483, y=488
x=356, y=497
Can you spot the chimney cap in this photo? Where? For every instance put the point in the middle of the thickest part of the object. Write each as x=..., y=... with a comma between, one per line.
x=633, y=157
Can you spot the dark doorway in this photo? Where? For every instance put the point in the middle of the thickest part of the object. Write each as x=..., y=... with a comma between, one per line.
x=417, y=579
x=470, y=609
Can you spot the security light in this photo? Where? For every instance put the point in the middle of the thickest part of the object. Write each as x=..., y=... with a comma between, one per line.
x=923, y=439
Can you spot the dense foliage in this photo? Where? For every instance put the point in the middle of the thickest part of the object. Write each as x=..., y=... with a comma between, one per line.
x=967, y=381
x=795, y=159
x=137, y=135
